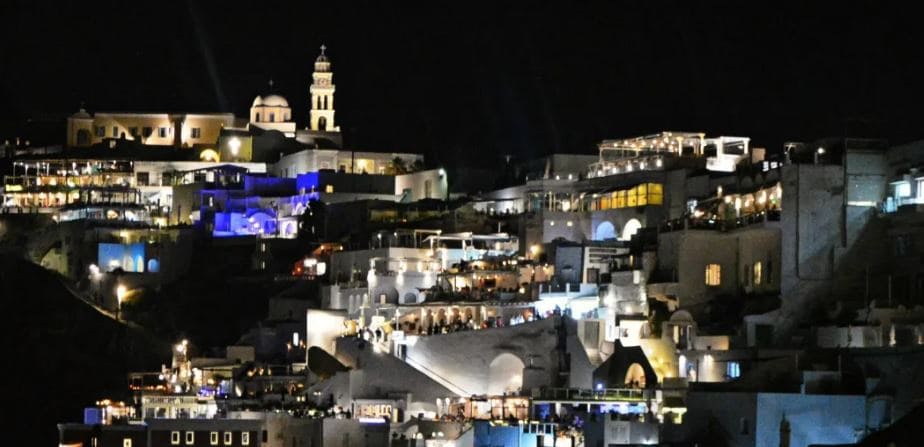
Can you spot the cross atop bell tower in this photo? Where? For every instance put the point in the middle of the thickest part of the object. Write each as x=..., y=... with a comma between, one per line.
x=322, y=95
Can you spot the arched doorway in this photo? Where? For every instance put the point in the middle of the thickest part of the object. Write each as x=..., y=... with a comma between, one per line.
x=632, y=227
x=505, y=373
x=322, y=123
x=83, y=137
x=635, y=376
x=605, y=230
x=288, y=229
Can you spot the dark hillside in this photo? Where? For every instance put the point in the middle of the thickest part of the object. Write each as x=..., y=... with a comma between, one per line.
x=62, y=354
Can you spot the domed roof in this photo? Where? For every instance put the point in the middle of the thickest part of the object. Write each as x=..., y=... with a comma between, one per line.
x=81, y=114
x=270, y=101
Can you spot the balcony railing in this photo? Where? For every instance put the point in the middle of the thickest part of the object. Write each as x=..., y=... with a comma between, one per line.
x=692, y=223
x=604, y=394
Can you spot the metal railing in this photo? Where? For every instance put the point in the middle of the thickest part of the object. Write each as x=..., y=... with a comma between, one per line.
x=583, y=394
x=692, y=223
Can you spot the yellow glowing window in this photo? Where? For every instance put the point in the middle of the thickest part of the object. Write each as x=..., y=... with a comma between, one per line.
x=632, y=198
x=655, y=194
x=758, y=273
x=621, y=199
x=227, y=437
x=606, y=203
x=713, y=274
x=213, y=438
x=329, y=188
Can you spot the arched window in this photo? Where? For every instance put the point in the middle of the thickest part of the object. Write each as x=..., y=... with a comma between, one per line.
x=319, y=103
x=322, y=123
x=632, y=227
x=272, y=118
x=505, y=373
x=605, y=230
x=258, y=117
x=325, y=103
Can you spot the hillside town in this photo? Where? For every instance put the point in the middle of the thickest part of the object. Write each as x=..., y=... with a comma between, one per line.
x=677, y=288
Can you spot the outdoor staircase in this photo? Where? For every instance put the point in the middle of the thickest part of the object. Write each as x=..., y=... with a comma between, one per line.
x=448, y=384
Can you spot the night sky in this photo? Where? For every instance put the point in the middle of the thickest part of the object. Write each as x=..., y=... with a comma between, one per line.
x=472, y=81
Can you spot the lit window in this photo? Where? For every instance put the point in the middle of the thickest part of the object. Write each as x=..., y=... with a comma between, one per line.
x=758, y=273
x=174, y=438
x=190, y=438
x=329, y=189
x=227, y=438
x=570, y=224
x=126, y=442
x=213, y=438
x=733, y=370
x=713, y=274
x=245, y=438
x=263, y=247
x=196, y=132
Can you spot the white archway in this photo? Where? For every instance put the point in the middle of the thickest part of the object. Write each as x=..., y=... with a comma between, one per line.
x=505, y=373
x=632, y=227
x=605, y=230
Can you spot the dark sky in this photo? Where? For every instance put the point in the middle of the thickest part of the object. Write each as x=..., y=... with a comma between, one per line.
x=471, y=81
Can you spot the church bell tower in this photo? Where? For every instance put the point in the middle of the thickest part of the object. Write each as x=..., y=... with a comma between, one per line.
x=322, y=96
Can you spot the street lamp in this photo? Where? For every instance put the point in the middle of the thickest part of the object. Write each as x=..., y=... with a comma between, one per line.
x=121, y=291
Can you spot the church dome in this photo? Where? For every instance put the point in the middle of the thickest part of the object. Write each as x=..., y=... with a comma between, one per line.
x=258, y=101
x=272, y=101
x=81, y=114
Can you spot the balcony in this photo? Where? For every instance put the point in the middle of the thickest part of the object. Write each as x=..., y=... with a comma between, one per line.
x=693, y=223
x=588, y=395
